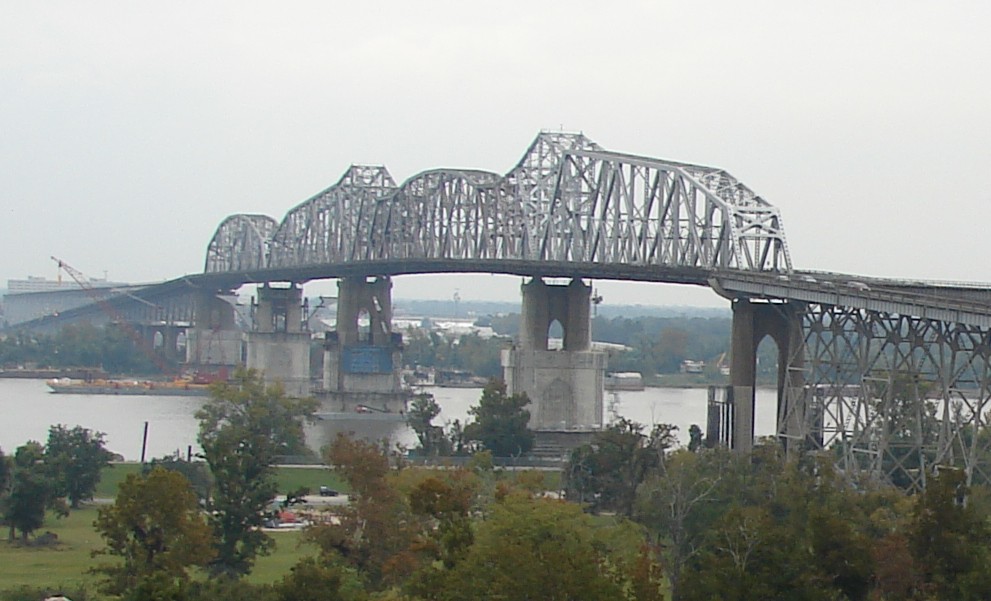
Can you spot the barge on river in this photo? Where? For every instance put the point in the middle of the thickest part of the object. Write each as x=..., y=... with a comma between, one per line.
x=128, y=387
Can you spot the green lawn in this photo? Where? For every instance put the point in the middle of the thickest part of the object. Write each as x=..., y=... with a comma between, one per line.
x=288, y=550
x=112, y=476
x=66, y=564
x=312, y=477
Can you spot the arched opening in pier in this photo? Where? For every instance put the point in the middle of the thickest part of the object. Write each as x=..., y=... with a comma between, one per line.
x=768, y=377
x=555, y=336
x=364, y=326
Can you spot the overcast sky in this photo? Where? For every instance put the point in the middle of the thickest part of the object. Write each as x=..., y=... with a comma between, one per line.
x=129, y=130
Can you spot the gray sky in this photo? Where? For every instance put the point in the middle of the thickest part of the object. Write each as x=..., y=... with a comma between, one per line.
x=129, y=130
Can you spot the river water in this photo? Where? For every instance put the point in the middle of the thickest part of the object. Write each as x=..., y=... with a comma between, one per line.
x=27, y=409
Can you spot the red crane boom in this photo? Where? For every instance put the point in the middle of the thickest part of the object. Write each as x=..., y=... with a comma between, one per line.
x=115, y=317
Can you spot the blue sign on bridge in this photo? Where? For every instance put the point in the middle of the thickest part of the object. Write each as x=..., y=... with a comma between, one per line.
x=366, y=360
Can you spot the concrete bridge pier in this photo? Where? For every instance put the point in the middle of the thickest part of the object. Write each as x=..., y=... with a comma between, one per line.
x=363, y=357
x=161, y=339
x=279, y=344
x=752, y=321
x=214, y=343
x=564, y=386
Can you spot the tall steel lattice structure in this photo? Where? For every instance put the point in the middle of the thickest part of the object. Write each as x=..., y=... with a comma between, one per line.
x=567, y=202
x=890, y=395
x=240, y=242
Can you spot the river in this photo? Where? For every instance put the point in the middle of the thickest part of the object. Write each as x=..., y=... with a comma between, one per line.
x=27, y=409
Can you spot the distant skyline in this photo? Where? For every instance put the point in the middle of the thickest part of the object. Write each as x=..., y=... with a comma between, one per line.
x=130, y=130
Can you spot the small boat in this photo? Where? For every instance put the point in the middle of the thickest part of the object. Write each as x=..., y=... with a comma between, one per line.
x=128, y=387
x=458, y=378
x=624, y=380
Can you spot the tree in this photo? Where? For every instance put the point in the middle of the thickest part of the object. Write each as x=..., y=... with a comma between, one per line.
x=606, y=473
x=197, y=472
x=695, y=440
x=156, y=527
x=422, y=411
x=243, y=428
x=76, y=458
x=32, y=491
x=543, y=549
x=375, y=531
x=500, y=421
x=950, y=540
x=681, y=502
x=6, y=468
x=311, y=579
x=443, y=502
x=768, y=532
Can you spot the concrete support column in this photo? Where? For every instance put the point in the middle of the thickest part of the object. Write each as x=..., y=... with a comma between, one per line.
x=564, y=386
x=279, y=344
x=358, y=297
x=544, y=304
x=147, y=337
x=743, y=374
x=214, y=342
x=362, y=368
x=752, y=321
x=170, y=340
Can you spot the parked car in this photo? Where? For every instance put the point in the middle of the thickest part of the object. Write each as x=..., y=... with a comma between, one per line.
x=326, y=491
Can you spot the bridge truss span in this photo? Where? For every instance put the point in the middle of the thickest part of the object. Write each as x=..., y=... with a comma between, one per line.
x=893, y=395
x=241, y=243
x=567, y=201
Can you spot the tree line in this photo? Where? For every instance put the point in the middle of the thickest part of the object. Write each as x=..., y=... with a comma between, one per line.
x=76, y=346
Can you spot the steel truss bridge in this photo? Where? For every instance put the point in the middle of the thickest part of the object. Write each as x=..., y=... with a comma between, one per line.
x=894, y=377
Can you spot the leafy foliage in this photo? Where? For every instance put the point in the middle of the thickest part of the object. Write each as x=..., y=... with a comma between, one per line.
x=156, y=527
x=605, y=474
x=76, y=458
x=530, y=548
x=950, y=541
x=6, y=469
x=500, y=421
x=314, y=579
x=197, y=472
x=243, y=428
x=31, y=492
x=374, y=533
x=422, y=411
x=471, y=352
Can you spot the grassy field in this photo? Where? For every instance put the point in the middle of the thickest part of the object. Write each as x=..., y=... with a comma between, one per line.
x=66, y=565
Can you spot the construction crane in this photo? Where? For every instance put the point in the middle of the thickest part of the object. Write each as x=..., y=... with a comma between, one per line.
x=596, y=301
x=115, y=318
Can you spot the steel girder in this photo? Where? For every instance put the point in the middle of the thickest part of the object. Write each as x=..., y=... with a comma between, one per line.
x=892, y=396
x=240, y=242
x=566, y=201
